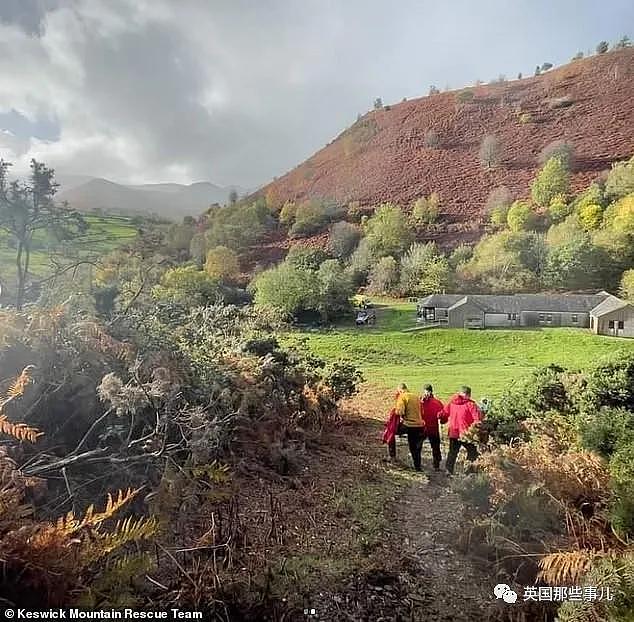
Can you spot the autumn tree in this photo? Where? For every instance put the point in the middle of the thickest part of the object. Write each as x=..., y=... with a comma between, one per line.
x=26, y=208
x=490, y=152
x=552, y=180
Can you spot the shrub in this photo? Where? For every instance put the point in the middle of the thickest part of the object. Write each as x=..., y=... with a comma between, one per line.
x=561, y=149
x=434, y=90
x=460, y=255
x=187, y=286
x=311, y=217
x=521, y=217
x=222, y=264
x=464, y=96
x=525, y=118
x=627, y=285
x=306, y=257
x=577, y=56
x=590, y=216
x=602, y=47
x=610, y=382
x=384, y=276
x=552, y=180
x=622, y=43
x=623, y=218
x=287, y=213
x=343, y=239
x=355, y=212
x=620, y=181
x=335, y=289
x=425, y=211
x=559, y=209
x=497, y=204
x=490, y=152
x=431, y=139
x=606, y=429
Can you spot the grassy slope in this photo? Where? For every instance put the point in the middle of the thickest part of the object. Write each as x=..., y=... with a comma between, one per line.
x=487, y=360
x=103, y=235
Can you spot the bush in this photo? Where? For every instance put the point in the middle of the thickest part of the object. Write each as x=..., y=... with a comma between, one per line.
x=222, y=264
x=603, y=47
x=384, y=276
x=552, y=180
x=623, y=218
x=525, y=117
x=425, y=211
x=187, y=286
x=577, y=56
x=287, y=213
x=559, y=209
x=285, y=288
x=343, y=239
x=610, y=382
x=590, y=217
x=521, y=217
x=490, y=152
x=460, y=255
x=465, y=96
x=497, y=205
x=312, y=216
x=306, y=257
x=335, y=287
x=620, y=181
x=561, y=149
x=606, y=429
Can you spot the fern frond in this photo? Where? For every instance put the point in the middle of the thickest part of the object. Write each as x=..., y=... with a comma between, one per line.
x=18, y=387
x=565, y=567
x=125, y=531
x=70, y=523
x=20, y=431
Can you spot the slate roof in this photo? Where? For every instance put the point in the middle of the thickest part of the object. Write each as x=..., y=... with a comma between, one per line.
x=611, y=303
x=571, y=303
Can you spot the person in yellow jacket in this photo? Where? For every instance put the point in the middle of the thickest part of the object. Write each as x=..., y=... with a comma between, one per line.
x=412, y=424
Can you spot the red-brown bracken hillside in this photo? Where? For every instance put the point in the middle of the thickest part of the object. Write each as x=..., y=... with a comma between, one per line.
x=383, y=156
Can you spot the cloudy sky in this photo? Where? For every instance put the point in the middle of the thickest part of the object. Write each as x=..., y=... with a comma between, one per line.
x=238, y=91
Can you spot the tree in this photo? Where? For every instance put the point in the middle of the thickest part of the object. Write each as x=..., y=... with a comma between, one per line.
x=602, y=47
x=552, y=180
x=188, y=286
x=431, y=138
x=627, y=285
x=497, y=205
x=233, y=196
x=306, y=257
x=460, y=255
x=287, y=213
x=388, y=232
x=577, y=264
x=546, y=66
x=384, y=276
x=620, y=179
x=490, y=152
x=622, y=43
x=285, y=288
x=537, y=70
x=623, y=221
x=423, y=270
x=198, y=248
x=26, y=208
x=378, y=103
x=425, y=211
x=179, y=237
x=343, y=239
x=521, y=217
x=561, y=149
x=335, y=289
x=590, y=216
x=578, y=56
x=222, y=264
x=434, y=90
x=311, y=216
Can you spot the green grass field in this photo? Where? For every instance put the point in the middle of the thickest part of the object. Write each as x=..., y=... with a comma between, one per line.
x=488, y=360
x=104, y=234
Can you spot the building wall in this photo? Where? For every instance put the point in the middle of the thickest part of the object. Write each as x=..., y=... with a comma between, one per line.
x=501, y=320
x=550, y=318
x=625, y=315
x=459, y=316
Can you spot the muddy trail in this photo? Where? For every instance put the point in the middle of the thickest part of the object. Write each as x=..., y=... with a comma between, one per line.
x=416, y=568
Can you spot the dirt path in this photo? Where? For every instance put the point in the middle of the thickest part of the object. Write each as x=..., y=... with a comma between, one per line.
x=417, y=573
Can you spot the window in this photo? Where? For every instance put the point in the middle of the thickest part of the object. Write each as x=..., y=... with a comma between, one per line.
x=575, y=318
x=611, y=324
x=541, y=317
x=621, y=325
x=509, y=316
x=430, y=313
x=514, y=316
x=549, y=318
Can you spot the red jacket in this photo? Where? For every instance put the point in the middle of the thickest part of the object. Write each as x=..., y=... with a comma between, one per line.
x=431, y=409
x=461, y=412
x=391, y=426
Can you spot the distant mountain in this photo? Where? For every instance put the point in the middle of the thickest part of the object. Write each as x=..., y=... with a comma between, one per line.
x=168, y=200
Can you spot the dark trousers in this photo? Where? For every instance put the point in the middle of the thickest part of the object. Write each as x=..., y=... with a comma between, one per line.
x=415, y=438
x=454, y=448
x=434, y=443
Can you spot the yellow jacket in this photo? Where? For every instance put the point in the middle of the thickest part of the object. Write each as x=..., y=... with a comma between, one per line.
x=408, y=407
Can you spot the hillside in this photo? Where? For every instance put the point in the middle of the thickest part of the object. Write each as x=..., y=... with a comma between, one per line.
x=383, y=156
x=172, y=201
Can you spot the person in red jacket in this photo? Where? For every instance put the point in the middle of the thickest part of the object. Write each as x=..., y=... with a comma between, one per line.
x=431, y=410
x=461, y=412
